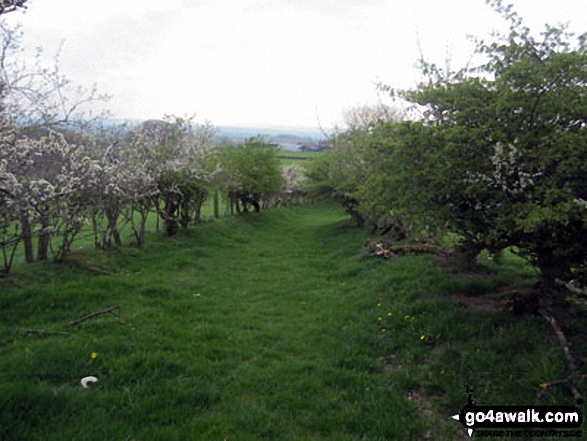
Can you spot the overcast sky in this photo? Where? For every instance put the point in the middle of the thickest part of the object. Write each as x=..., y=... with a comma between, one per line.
x=262, y=62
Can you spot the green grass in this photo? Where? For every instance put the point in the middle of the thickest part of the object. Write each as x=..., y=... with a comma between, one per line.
x=300, y=155
x=263, y=326
x=288, y=157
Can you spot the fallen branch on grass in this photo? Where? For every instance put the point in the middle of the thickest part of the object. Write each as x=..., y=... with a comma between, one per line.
x=43, y=331
x=97, y=313
x=380, y=249
x=570, y=380
x=101, y=271
x=574, y=289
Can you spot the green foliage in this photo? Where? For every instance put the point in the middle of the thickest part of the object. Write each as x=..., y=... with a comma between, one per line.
x=394, y=153
x=339, y=172
x=510, y=170
x=499, y=157
x=250, y=171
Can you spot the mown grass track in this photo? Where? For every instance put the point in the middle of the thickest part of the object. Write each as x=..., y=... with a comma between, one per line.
x=265, y=326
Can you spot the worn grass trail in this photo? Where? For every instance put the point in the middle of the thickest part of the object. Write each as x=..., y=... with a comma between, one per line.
x=267, y=326
x=286, y=319
x=245, y=329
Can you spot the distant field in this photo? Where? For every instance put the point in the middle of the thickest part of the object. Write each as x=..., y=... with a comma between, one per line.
x=299, y=155
x=288, y=157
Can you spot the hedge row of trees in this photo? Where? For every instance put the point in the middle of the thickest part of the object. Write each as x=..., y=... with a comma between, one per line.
x=499, y=156
x=50, y=189
x=63, y=169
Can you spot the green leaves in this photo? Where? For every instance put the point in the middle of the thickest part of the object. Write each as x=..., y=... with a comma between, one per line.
x=499, y=157
x=512, y=165
x=251, y=169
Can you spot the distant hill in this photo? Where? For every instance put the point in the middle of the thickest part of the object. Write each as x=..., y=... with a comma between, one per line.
x=272, y=134
x=290, y=139
x=286, y=138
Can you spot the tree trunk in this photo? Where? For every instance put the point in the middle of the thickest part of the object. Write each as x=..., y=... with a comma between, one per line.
x=43, y=246
x=255, y=203
x=237, y=205
x=170, y=225
x=199, y=203
x=27, y=240
x=65, y=248
x=112, y=228
x=157, y=211
x=185, y=214
x=142, y=228
x=550, y=269
x=95, y=229
x=230, y=205
x=44, y=236
x=216, y=207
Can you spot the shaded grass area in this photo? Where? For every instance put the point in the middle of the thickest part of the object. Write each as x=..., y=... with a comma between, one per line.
x=267, y=326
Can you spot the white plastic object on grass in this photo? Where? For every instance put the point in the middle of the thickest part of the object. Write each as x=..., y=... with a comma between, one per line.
x=87, y=380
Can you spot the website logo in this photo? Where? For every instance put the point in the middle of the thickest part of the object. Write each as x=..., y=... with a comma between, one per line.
x=529, y=418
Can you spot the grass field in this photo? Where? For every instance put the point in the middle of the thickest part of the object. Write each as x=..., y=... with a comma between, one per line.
x=288, y=157
x=266, y=326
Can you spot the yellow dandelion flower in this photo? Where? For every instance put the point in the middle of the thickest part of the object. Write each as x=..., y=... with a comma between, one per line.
x=94, y=355
x=442, y=372
x=379, y=319
x=407, y=316
x=378, y=304
x=422, y=337
x=383, y=330
x=389, y=314
x=543, y=385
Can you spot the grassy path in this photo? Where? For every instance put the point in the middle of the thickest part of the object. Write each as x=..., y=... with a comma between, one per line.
x=269, y=326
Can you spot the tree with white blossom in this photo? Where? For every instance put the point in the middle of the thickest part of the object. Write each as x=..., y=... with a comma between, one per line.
x=506, y=164
x=39, y=96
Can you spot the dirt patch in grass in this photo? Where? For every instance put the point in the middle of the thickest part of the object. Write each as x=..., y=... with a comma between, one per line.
x=518, y=299
x=483, y=303
x=476, y=276
x=433, y=420
x=390, y=365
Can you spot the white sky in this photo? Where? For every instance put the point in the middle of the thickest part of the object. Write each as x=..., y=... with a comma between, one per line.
x=262, y=62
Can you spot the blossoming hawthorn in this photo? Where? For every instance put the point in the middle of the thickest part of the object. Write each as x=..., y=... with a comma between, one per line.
x=49, y=198
x=51, y=188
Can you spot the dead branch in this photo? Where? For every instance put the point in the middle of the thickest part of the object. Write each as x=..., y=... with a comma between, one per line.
x=101, y=271
x=574, y=289
x=417, y=249
x=120, y=319
x=569, y=381
x=560, y=336
x=43, y=331
x=382, y=250
x=97, y=313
